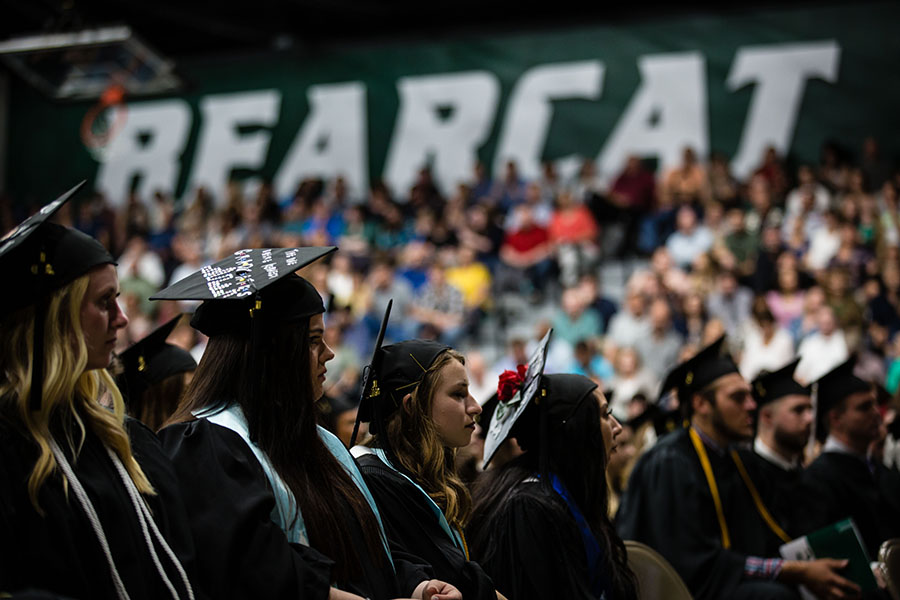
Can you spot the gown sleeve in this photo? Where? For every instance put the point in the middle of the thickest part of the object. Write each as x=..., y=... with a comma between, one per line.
x=412, y=527
x=241, y=552
x=534, y=550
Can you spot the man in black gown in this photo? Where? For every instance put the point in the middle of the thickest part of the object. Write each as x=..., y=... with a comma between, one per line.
x=783, y=430
x=852, y=483
x=687, y=499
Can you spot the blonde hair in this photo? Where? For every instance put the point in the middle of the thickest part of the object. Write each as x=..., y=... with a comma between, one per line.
x=416, y=444
x=68, y=389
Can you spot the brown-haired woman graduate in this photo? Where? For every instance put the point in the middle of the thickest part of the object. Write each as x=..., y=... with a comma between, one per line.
x=278, y=507
x=539, y=526
x=420, y=412
x=89, y=504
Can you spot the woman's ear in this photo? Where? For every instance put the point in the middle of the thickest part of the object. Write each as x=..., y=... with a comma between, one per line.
x=407, y=400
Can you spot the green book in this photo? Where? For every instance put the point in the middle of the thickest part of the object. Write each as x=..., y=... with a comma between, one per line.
x=838, y=540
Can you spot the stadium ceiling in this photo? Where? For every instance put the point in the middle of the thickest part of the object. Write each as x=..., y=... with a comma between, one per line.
x=183, y=28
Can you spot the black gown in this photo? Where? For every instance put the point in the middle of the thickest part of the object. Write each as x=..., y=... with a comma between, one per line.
x=242, y=552
x=413, y=527
x=849, y=489
x=531, y=547
x=668, y=506
x=794, y=504
x=59, y=552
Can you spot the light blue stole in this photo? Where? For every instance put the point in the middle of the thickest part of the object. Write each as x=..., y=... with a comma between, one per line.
x=453, y=534
x=286, y=513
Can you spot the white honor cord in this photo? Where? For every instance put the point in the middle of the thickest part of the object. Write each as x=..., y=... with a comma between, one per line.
x=143, y=513
x=144, y=516
x=82, y=497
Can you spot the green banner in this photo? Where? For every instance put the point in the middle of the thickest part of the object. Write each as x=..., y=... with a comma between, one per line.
x=734, y=84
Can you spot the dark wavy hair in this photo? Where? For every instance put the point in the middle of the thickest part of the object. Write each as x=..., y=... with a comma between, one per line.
x=576, y=454
x=281, y=416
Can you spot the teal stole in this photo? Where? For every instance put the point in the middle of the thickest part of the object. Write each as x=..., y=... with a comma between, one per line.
x=453, y=534
x=286, y=513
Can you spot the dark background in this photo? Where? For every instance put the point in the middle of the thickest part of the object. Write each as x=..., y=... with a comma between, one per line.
x=183, y=28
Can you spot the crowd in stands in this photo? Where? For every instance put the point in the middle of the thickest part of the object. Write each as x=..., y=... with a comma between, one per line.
x=798, y=259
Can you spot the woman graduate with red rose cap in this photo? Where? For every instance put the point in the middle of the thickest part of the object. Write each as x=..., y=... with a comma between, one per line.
x=540, y=527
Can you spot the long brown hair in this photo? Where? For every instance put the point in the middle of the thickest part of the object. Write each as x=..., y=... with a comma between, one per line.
x=278, y=404
x=154, y=405
x=576, y=454
x=415, y=443
x=70, y=394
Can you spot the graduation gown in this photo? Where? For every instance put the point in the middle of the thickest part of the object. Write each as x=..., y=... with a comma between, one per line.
x=243, y=552
x=848, y=488
x=668, y=506
x=59, y=552
x=790, y=499
x=532, y=548
x=413, y=526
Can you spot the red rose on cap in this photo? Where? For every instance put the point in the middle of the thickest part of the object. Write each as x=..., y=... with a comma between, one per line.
x=509, y=383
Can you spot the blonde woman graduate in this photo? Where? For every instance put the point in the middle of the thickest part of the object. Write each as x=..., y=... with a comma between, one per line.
x=89, y=503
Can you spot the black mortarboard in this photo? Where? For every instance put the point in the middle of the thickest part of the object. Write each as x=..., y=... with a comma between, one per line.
x=369, y=381
x=771, y=386
x=699, y=371
x=399, y=369
x=152, y=360
x=834, y=386
x=37, y=258
x=331, y=406
x=242, y=286
x=561, y=394
x=508, y=412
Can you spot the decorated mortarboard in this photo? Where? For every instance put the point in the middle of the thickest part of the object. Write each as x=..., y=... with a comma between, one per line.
x=771, y=386
x=837, y=384
x=152, y=359
x=515, y=393
x=699, y=371
x=251, y=282
x=487, y=414
x=37, y=258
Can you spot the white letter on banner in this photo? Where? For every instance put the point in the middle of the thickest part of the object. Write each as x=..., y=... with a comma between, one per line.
x=442, y=120
x=780, y=73
x=332, y=140
x=222, y=148
x=667, y=113
x=149, y=144
x=531, y=109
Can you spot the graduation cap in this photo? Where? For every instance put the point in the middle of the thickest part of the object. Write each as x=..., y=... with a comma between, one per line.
x=370, y=385
x=397, y=370
x=37, y=258
x=508, y=411
x=699, y=371
x=152, y=360
x=771, y=386
x=330, y=407
x=251, y=283
x=487, y=414
x=833, y=387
